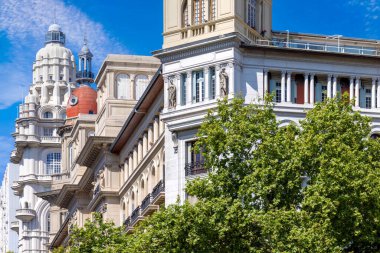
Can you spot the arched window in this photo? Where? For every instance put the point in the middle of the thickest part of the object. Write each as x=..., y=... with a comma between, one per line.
x=53, y=163
x=212, y=8
x=133, y=202
x=48, y=115
x=123, y=83
x=199, y=7
x=251, y=12
x=185, y=15
x=142, y=82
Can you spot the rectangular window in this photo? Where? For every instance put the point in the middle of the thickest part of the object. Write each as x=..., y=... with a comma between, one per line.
x=50, y=77
x=53, y=163
x=183, y=89
x=194, y=160
x=324, y=93
x=48, y=132
x=278, y=92
x=212, y=81
x=196, y=12
x=212, y=10
x=251, y=10
x=368, y=99
x=198, y=87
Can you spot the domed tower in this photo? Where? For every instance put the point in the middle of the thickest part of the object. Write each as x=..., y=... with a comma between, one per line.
x=84, y=74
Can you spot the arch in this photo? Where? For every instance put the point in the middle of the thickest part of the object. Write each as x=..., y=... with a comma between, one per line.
x=48, y=115
x=286, y=122
x=141, y=82
x=185, y=14
x=47, y=108
x=123, y=86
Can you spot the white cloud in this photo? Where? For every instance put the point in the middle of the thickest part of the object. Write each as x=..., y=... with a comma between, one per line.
x=25, y=23
x=371, y=11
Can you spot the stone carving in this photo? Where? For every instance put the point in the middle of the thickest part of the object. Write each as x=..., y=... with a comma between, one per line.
x=223, y=81
x=172, y=94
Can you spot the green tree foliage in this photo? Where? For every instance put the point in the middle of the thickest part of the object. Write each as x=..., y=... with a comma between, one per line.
x=312, y=187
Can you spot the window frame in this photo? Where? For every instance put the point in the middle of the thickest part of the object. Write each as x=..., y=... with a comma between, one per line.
x=53, y=163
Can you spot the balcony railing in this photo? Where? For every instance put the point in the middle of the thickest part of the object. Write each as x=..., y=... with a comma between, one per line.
x=127, y=222
x=319, y=47
x=96, y=190
x=85, y=74
x=195, y=168
x=25, y=214
x=160, y=187
x=50, y=139
x=135, y=215
x=146, y=202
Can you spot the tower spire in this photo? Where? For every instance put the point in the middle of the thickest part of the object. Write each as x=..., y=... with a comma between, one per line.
x=84, y=74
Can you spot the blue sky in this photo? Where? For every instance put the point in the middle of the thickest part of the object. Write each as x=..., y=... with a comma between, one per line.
x=135, y=27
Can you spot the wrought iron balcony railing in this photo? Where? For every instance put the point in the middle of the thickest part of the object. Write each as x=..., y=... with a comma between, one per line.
x=135, y=214
x=146, y=202
x=194, y=168
x=160, y=187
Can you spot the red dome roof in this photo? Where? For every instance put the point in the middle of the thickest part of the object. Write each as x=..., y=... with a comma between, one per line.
x=82, y=100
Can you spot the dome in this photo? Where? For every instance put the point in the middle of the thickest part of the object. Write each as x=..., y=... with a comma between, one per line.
x=82, y=101
x=85, y=49
x=54, y=28
x=54, y=51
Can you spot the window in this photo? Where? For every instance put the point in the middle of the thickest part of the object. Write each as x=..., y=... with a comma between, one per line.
x=183, y=89
x=251, y=11
x=41, y=78
x=50, y=77
x=48, y=115
x=71, y=154
x=198, y=87
x=48, y=223
x=123, y=86
x=212, y=84
x=278, y=92
x=48, y=132
x=324, y=93
x=194, y=160
x=53, y=163
x=60, y=77
x=199, y=8
x=212, y=7
x=142, y=82
x=185, y=15
x=368, y=99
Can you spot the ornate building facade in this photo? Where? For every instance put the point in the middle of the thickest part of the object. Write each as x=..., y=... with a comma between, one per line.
x=37, y=144
x=8, y=204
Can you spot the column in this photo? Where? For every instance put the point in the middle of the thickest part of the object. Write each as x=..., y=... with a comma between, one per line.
x=329, y=86
x=166, y=85
x=133, y=87
x=134, y=158
x=150, y=135
x=145, y=144
x=265, y=84
x=289, y=87
x=312, y=88
x=140, y=151
x=179, y=89
x=378, y=93
x=161, y=126
x=130, y=164
x=357, y=86
x=352, y=87
x=283, y=73
x=206, y=82
x=155, y=129
x=335, y=85
x=217, y=84
x=188, y=87
x=231, y=79
x=373, y=93
x=306, y=88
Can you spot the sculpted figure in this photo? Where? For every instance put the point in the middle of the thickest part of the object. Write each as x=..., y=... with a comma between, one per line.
x=223, y=77
x=172, y=94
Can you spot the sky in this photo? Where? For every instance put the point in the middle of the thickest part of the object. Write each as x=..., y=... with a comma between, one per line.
x=135, y=27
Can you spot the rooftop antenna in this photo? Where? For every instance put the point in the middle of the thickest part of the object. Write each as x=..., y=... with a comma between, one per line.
x=55, y=16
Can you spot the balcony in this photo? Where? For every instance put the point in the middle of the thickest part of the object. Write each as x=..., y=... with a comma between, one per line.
x=195, y=168
x=136, y=216
x=158, y=193
x=85, y=75
x=25, y=215
x=320, y=47
x=50, y=139
x=15, y=225
x=147, y=207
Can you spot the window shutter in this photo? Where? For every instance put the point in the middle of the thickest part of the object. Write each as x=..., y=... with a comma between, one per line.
x=318, y=92
x=362, y=97
x=193, y=88
x=293, y=91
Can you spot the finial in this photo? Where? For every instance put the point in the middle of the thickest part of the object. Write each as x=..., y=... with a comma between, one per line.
x=55, y=16
x=85, y=38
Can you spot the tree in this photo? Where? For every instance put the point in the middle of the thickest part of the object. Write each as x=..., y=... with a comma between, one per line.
x=255, y=198
x=97, y=236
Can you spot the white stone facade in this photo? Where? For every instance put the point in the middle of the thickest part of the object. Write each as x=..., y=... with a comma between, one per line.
x=8, y=204
x=38, y=151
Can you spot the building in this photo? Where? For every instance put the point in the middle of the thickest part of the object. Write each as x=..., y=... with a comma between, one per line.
x=8, y=204
x=223, y=48
x=37, y=144
x=136, y=152
x=94, y=120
